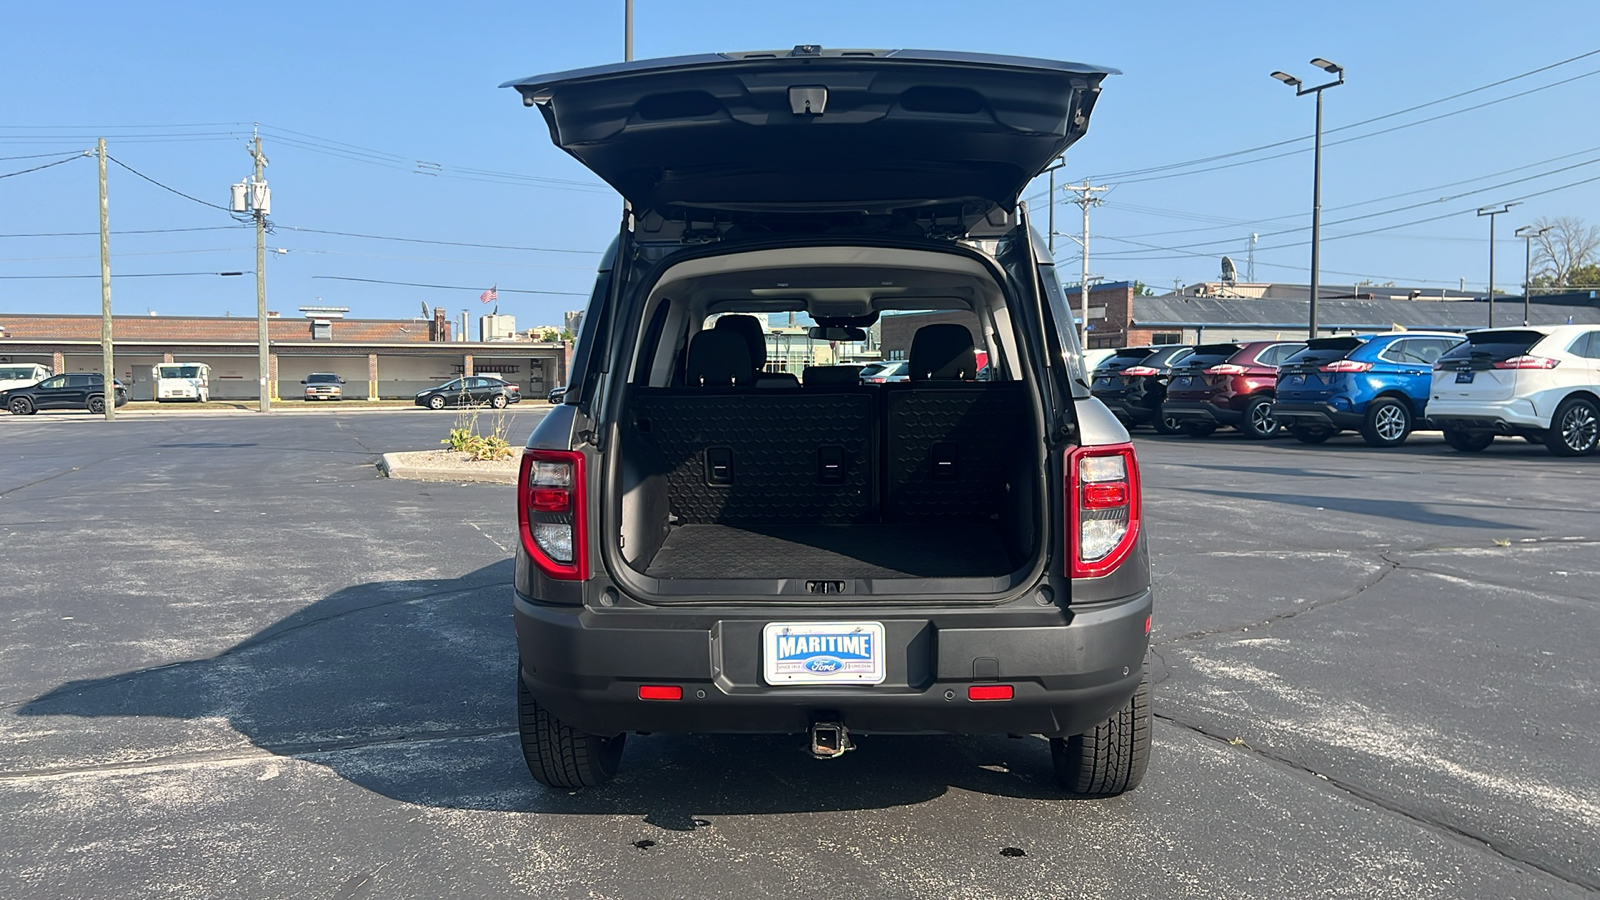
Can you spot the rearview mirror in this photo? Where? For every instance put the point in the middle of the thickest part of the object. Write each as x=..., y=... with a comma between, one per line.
x=835, y=333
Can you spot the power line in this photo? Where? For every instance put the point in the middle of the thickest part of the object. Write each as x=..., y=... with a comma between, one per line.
x=449, y=287
x=1389, y=115
x=45, y=234
x=165, y=187
x=127, y=275
x=379, y=237
x=44, y=155
x=59, y=162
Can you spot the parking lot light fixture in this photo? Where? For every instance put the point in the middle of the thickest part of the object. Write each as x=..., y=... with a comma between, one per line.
x=1491, y=212
x=1301, y=90
x=1528, y=233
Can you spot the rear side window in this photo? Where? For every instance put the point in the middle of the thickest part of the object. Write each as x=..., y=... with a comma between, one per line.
x=1587, y=345
x=1417, y=351
x=1174, y=356
x=80, y=381
x=1495, y=346
x=1276, y=354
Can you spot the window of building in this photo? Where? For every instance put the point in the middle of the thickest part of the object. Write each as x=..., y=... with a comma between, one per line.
x=1165, y=337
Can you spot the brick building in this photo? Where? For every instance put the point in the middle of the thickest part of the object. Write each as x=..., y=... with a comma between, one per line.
x=394, y=358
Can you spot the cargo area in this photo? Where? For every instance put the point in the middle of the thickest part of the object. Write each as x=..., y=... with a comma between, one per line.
x=815, y=482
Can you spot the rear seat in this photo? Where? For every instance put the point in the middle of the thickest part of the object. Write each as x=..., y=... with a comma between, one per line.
x=940, y=448
x=736, y=456
x=949, y=442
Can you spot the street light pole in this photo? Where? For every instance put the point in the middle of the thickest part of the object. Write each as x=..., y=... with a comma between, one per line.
x=627, y=32
x=1528, y=233
x=1301, y=90
x=1491, y=212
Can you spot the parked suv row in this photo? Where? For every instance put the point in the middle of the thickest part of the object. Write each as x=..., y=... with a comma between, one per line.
x=75, y=390
x=1540, y=383
x=1133, y=381
x=1377, y=384
x=1228, y=384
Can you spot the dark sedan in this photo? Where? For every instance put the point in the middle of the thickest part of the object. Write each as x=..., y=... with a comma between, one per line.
x=470, y=391
x=75, y=390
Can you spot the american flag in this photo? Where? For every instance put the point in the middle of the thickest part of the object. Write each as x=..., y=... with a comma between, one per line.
x=491, y=295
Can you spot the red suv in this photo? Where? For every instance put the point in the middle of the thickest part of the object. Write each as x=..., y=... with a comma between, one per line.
x=1228, y=384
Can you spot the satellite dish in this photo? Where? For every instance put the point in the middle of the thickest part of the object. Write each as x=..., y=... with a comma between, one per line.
x=1230, y=272
x=425, y=313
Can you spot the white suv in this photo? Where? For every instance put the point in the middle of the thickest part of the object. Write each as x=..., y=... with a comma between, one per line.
x=1541, y=382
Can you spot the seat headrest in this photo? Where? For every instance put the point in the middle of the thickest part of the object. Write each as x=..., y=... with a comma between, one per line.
x=831, y=376
x=943, y=351
x=749, y=328
x=719, y=359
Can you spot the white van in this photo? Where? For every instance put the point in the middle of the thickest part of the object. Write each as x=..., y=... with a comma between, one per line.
x=182, y=381
x=16, y=375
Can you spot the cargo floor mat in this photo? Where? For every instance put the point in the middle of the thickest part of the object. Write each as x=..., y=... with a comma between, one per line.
x=831, y=551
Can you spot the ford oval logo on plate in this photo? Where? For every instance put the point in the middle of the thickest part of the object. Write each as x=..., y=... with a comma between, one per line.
x=823, y=665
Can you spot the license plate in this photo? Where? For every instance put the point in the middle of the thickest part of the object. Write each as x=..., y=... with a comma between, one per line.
x=1297, y=379
x=1182, y=380
x=822, y=653
x=1464, y=377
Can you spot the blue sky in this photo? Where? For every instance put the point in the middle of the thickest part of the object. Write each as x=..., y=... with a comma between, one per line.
x=353, y=99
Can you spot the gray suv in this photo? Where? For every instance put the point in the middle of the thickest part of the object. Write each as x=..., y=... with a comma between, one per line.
x=722, y=529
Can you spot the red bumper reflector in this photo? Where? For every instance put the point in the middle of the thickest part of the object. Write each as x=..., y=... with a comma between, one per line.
x=990, y=692
x=660, y=692
x=1146, y=624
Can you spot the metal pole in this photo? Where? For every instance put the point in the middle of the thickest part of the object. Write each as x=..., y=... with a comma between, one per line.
x=261, y=290
x=1083, y=301
x=1527, y=265
x=1491, y=268
x=108, y=368
x=627, y=36
x=1050, y=240
x=1316, y=220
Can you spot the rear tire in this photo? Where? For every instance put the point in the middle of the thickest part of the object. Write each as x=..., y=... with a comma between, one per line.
x=1388, y=423
x=558, y=755
x=1468, y=441
x=1165, y=424
x=1311, y=434
x=22, y=406
x=1198, y=429
x=1575, y=428
x=97, y=405
x=1258, y=423
x=1112, y=757
x=499, y=401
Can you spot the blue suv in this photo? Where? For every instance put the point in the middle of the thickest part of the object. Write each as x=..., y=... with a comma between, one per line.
x=1373, y=383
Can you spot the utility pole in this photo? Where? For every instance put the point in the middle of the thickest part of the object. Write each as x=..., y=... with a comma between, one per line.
x=1086, y=198
x=1250, y=268
x=254, y=196
x=627, y=32
x=1491, y=212
x=107, y=368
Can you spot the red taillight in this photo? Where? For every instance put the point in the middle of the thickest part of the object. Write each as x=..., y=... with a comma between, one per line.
x=1227, y=369
x=1528, y=362
x=660, y=692
x=1345, y=365
x=1140, y=370
x=551, y=513
x=990, y=692
x=1102, y=508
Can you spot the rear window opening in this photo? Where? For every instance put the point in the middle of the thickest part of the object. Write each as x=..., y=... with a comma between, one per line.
x=1207, y=355
x=1324, y=350
x=757, y=458
x=1493, y=346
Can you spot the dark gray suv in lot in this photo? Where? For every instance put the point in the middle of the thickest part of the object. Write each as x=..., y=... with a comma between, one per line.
x=708, y=544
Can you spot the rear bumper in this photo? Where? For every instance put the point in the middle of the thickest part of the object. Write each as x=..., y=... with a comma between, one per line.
x=1504, y=416
x=1201, y=411
x=1325, y=414
x=1070, y=669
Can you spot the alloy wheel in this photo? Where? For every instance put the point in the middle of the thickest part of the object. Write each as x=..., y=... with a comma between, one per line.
x=1391, y=423
x=1579, y=429
x=1261, y=418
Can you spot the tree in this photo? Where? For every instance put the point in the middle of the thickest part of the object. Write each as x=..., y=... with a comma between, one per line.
x=1568, y=246
x=1140, y=289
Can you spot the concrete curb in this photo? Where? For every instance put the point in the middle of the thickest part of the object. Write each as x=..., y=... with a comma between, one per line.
x=392, y=467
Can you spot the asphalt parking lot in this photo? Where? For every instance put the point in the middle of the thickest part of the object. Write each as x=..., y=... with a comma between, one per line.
x=239, y=663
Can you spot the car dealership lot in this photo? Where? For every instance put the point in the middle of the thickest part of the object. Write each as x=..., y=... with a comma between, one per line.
x=239, y=663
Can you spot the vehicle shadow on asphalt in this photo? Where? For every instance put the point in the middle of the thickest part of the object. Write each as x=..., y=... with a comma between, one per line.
x=406, y=689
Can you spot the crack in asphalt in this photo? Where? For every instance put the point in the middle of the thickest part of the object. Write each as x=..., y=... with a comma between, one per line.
x=1389, y=568
x=1453, y=831
x=307, y=750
